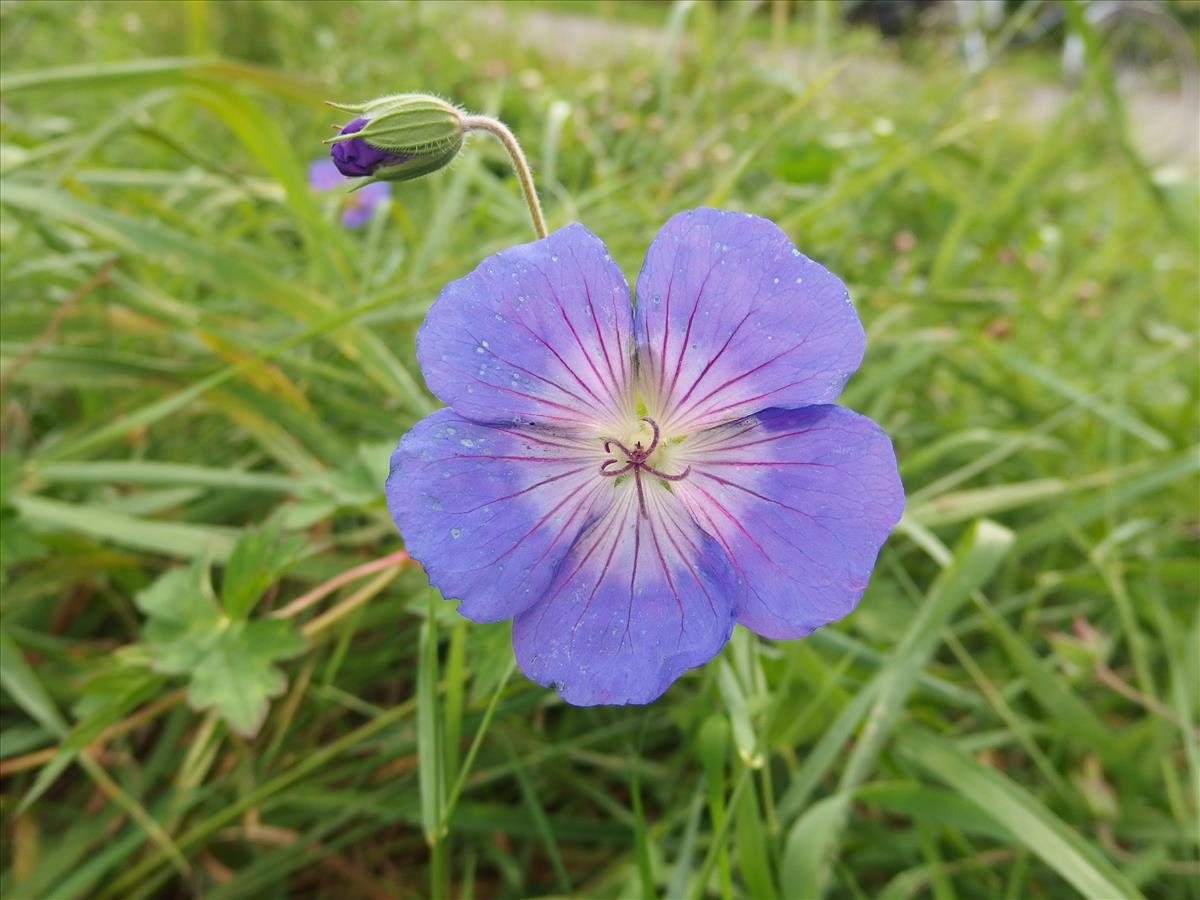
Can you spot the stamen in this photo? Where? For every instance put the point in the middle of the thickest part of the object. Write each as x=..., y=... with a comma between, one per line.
x=614, y=462
x=657, y=474
x=608, y=442
x=654, y=428
x=635, y=459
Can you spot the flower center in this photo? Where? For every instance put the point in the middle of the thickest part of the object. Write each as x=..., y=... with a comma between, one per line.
x=635, y=460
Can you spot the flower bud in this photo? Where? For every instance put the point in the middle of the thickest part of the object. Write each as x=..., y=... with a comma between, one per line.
x=398, y=137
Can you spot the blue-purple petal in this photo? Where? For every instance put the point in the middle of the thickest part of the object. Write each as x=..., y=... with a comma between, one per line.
x=732, y=318
x=637, y=602
x=537, y=333
x=488, y=511
x=802, y=500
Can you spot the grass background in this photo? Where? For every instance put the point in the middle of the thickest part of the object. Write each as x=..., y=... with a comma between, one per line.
x=192, y=346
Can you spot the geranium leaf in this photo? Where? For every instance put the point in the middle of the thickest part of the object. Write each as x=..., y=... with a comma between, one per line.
x=258, y=559
x=230, y=664
x=237, y=676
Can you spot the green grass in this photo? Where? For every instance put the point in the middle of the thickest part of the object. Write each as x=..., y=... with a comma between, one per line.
x=1011, y=711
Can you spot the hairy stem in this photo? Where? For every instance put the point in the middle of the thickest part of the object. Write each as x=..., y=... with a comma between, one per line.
x=520, y=165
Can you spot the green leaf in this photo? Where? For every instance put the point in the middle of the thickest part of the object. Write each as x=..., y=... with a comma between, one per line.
x=23, y=738
x=641, y=842
x=712, y=746
x=181, y=539
x=429, y=748
x=353, y=485
x=237, y=677
x=129, y=74
x=258, y=559
x=95, y=712
x=933, y=806
x=827, y=751
x=147, y=472
x=1118, y=418
x=23, y=686
x=17, y=543
x=751, y=840
x=976, y=557
x=1028, y=820
x=739, y=715
x=180, y=609
x=230, y=664
x=810, y=845
x=10, y=472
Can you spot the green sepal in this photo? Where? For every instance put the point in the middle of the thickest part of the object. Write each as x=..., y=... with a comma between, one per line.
x=414, y=166
x=347, y=107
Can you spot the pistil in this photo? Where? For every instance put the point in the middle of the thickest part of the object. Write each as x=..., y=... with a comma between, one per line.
x=635, y=460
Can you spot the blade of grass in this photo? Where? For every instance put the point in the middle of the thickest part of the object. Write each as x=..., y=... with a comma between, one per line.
x=1030, y=823
x=430, y=752
x=975, y=559
x=810, y=846
x=541, y=823
x=22, y=684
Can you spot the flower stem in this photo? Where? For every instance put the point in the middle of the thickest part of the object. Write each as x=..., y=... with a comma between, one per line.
x=393, y=560
x=520, y=165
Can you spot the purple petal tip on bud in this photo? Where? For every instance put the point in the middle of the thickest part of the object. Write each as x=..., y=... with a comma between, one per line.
x=355, y=158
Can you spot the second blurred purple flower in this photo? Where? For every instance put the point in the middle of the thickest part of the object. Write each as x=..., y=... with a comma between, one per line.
x=357, y=207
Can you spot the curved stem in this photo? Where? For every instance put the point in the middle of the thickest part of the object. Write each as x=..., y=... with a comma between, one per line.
x=509, y=140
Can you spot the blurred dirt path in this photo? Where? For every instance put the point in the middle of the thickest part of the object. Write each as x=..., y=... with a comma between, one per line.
x=1165, y=127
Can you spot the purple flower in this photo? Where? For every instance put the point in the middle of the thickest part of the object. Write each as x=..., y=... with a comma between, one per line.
x=355, y=158
x=323, y=175
x=357, y=207
x=627, y=483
